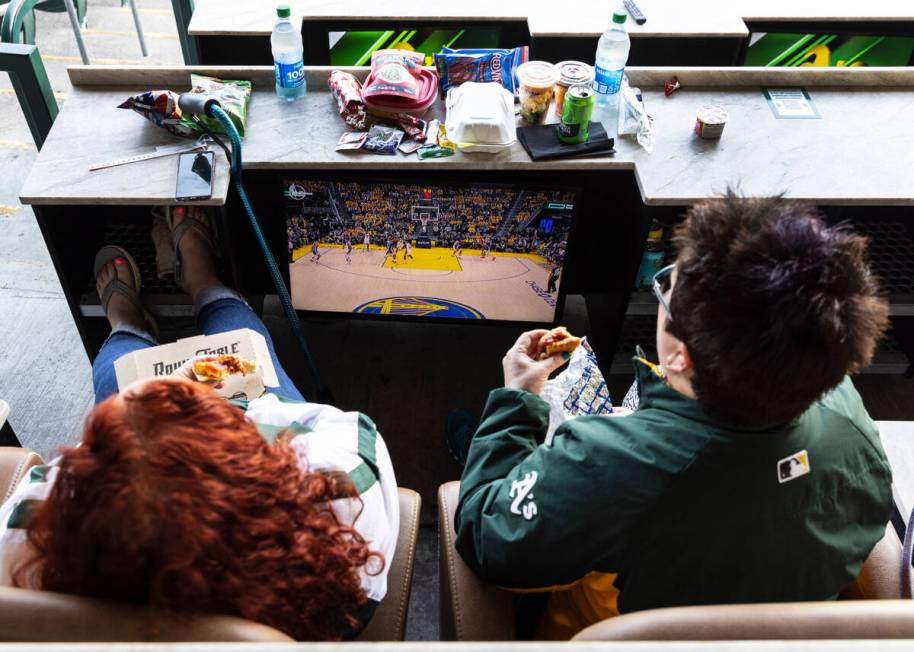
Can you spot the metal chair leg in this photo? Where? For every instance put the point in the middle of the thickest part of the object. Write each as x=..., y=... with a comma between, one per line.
x=139, y=27
x=77, y=32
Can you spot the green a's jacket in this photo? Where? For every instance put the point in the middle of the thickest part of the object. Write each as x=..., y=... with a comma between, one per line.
x=683, y=509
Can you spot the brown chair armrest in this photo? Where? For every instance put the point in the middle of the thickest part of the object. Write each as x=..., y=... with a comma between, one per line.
x=860, y=619
x=43, y=616
x=471, y=610
x=880, y=577
x=389, y=620
x=15, y=463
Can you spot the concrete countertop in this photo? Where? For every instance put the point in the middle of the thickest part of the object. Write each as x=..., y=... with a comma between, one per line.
x=859, y=152
x=665, y=18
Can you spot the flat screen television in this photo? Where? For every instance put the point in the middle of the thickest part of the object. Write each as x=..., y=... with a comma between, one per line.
x=477, y=252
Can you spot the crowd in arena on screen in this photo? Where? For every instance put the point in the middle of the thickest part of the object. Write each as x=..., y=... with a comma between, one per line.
x=385, y=213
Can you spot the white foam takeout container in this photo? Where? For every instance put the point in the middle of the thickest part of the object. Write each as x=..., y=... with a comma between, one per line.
x=480, y=117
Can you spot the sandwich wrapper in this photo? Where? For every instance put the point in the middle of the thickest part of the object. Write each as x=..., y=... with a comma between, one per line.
x=166, y=359
x=580, y=390
x=541, y=142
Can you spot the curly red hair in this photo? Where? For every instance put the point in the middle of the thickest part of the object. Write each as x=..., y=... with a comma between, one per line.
x=175, y=501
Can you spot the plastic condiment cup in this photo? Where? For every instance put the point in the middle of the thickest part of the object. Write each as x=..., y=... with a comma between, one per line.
x=537, y=80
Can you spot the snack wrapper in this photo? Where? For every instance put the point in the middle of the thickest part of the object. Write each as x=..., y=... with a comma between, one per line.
x=633, y=119
x=233, y=94
x=383, y=140
x=351, y=140
x=394, y=73
x=433, y=151
x=347, y=91
x=161, y=107
x=578, y=391
x=413, y=127
x=479, y=65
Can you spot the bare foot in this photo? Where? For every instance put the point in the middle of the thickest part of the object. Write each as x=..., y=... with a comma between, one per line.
x=197, y=268
x=120, y=310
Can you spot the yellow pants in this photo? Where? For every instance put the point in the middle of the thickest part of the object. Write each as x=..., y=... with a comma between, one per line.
x=592, y=599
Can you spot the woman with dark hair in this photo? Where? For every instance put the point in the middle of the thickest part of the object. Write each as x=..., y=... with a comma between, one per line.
x=278, y=511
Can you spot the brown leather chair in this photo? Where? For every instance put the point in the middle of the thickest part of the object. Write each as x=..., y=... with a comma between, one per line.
x=472, y=610
x=852, y=619
x=43, y=616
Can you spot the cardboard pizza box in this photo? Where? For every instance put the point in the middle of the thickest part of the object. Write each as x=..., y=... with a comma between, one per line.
x=165, y=359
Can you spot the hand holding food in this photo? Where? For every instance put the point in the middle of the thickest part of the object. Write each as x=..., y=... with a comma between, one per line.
x=524, y=369
x=558, y=340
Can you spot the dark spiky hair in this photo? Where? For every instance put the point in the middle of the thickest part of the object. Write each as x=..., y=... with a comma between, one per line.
x=774, y=306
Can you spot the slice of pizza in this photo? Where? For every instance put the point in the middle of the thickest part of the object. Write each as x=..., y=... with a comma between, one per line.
x=558, y=340
x=220, y=367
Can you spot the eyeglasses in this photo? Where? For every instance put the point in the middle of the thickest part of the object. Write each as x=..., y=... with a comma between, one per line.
x=661, y=284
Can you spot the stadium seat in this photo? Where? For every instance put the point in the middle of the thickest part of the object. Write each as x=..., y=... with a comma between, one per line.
x=472, y=610
x=854, y=619
x=43, y=616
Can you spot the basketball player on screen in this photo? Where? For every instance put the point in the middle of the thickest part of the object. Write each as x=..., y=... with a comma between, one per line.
x=348, y=251
x=366, y=241
x=458, y=248
x=315, y=251
x=391, y=252
x=407, y=250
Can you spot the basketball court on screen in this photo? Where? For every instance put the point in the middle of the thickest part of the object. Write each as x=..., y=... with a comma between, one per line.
x=434, y=283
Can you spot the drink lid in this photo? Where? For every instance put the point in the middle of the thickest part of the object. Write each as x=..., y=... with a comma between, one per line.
x=283, y=11
x=574, y=72
x=619, y=17
x=713, y=114
x=537, y=74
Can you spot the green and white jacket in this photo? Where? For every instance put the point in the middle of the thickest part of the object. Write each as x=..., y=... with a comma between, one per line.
x=325, y=438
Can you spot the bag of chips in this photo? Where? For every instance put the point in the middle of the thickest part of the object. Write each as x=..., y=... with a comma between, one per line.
x=458, y=66
x=233, y=94
x=161, y=107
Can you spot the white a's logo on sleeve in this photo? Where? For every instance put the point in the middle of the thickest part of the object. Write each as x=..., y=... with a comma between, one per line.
x=791, y=468
x=520, y=492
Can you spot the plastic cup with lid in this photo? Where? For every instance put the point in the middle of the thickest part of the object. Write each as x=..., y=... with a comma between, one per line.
x=571, y=73
x=537, y=80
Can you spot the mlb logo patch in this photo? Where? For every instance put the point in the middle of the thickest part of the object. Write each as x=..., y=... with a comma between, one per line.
x=791, y=468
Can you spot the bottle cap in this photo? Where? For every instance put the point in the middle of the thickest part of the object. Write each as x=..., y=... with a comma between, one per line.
x=283, y=11
x=619, y=17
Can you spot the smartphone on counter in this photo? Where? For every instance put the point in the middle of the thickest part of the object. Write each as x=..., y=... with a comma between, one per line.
x=195, y=176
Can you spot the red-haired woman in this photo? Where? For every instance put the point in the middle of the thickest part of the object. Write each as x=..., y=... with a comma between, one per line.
x=279, y=511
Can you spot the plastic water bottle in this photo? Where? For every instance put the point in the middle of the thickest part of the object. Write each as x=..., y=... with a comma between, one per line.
x=612, y=53
x=288, y=63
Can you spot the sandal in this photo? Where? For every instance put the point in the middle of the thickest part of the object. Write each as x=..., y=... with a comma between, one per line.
x=178, y=231
x=104, y=256
x=161, y=238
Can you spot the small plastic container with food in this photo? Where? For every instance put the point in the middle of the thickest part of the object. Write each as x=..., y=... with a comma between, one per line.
x=571, y=73
x=537, y=80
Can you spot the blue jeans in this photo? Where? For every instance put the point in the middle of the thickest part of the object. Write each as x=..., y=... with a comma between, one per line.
x=218, y=310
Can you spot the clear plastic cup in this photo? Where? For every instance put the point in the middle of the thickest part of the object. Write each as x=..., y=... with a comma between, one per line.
x=571, y=73
x=537, y=81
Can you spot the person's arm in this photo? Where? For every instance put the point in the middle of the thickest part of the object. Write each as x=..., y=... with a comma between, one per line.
x=533, y=516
